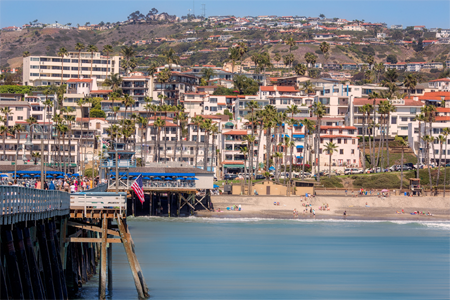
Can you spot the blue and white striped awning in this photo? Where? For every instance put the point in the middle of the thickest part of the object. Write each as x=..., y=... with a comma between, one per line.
x=298, y=136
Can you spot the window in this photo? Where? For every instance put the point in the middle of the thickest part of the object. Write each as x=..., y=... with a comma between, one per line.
x=320, y=151
x=341, y=151
x=34, y=59
x=394, y=120
x=436, y=151
x=413, y=110
x=339, y=141
x=353, y=151
x=19, y=118
x=403, y=128
x=353, y=141
x=213, y=108
x=10, y=118
x=34, y=67
x=206, y=108
x=213, y=100
x=19, y=108
x=404, y=119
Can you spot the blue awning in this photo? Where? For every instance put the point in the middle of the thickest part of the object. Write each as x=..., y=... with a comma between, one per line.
x=299, y=157
x=298, y=136
x=155, y=174
x=300, y=146
x=296, y=125
x=281, y=135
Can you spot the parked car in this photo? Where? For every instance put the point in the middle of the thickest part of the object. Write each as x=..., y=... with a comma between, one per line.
x=230, y=176
x=353, y=171
x=447, y=165
x=260, y=177
x=411, y=165
x=405, y=168
x=394, y=168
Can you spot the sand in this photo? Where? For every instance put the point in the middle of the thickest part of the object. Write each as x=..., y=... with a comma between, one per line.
x=376, y=209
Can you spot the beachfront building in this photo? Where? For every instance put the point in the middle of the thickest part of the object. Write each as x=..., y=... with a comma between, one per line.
x=48, y=70
x=347, y=154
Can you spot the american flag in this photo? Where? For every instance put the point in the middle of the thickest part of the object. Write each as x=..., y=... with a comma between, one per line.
x=137, y=188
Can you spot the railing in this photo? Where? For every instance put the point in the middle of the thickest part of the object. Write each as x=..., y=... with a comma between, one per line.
x=19, y=204
x=98, y=200
x=121, y=163
x=99, y=188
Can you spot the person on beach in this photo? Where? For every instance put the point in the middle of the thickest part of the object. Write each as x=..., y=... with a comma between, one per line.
x=345, y=214
x=345, y=192
x=294, y=212
x=314, y=213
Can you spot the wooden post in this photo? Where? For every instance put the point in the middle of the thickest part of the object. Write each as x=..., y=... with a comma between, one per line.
x=34, y=271
x=103, y=257
x=12, y=267
x=129, y=251
x=62, y=240
x=169, y=198
x=110, y=279
x=3, y=286
x=23, y=265
x=49, y=288
x=179, y=204
x=133, y=204
x=151, y=204
x=58, y=276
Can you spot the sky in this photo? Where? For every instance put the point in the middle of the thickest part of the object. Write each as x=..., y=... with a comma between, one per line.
x=430, y=13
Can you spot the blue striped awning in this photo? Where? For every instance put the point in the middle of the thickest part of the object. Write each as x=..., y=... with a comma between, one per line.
x=298, y=136
x=300, y=146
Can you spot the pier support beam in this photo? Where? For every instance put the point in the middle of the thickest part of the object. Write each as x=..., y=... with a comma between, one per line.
x=48, y=278
x=110, y=278
x=13, y=267
x=38, y=288
x=103, y=257
x=130, y=256
x=23, y=265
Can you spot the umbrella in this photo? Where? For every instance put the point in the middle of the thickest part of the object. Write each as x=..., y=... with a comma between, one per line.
x=193, y=178
x=3, y=175
x=134, y=177
x=27, y=176
x=157, y=178
x=179, y=178
x=49, y=176
x=75, y=175
x=146, y=178
x=59, y=177
x=37, y=176
x=124, y=177
x=215, y=186
x=384, y=190
x=167, y=178
x=271, y=169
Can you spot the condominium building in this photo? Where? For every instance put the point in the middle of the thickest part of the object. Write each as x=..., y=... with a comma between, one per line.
x=48, y=70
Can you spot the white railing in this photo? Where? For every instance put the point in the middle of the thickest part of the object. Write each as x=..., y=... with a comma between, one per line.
x=100, y=200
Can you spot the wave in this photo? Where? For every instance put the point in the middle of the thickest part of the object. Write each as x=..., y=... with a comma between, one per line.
x=193, y=219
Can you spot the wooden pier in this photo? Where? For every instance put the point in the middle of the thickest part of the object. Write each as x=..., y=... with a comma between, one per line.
x=53, y=241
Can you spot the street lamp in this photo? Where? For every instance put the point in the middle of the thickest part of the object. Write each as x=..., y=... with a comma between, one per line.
x=104, y=156
x=30, y=143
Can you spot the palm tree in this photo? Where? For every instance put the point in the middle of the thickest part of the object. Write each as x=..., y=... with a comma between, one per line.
x=92, y=49
x=268, y=123
x=388, y=109
x=319, y=110
x=324, y=47
x=430, y=113
x=244, y=150
x=62, y=52
x=4, y=131
x=6, y=111
x=152, y=69
x=127, y=101
x=277, y=156
x=115, y=82
x=15, y=131
x=300, y=69
x=370, y=61
x=31, y=121
x=206, y=126
x=207, y=73
x=441, y=140
x=330, y=147
x=171, y=57
x=159, y=123
x=128, y=53
x=310, y=58
x=252, y=105
x=410, y=82
x=402, y=144
x=214, y=132
x=290, y=42
x=420, y=118
x=445, y=132
x=176, y=120
x=70, y=120
x=428, y=139
x=288, y=59
x=143, y=123
x=233, y=56
x=79, y=47
x=108, y=49
x=250, y=143
x=35, y=156
x=63, y=129
x=308, y=87
x=277, y=57
x=309, y=126
x=365, y=110
x=197, y=121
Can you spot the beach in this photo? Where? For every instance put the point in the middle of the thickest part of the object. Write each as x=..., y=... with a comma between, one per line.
x=356, y=208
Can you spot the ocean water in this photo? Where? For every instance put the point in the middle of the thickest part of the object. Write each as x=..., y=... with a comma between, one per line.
x=201, y=258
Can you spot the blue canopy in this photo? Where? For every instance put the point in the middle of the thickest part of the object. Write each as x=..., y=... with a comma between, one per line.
x=167, y=178
x=146, y=178
x=298, y=136
x=3, y=175
x=299, y=157
x=179, y=178
x=157, y=178
x=60, y=176
x=215, y=186
x=155, y=174
x=75, y=175
x=37, y=176
x=134, y=177
x=124, y=177
x=38, y=172
x=49, y=176
x=26, y=176
x=192, y=178
x=299, y=146
x=272, y=169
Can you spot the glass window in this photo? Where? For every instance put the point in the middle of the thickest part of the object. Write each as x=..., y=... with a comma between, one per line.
x=19, y=108
x=213, y=100
x=341, y=151
x=413, y=110
x=19, y=118
x=394, y=120
x=404, y=119
x=34, y=58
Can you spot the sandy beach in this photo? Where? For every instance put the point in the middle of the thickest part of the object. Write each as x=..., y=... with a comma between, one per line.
x=355, y=207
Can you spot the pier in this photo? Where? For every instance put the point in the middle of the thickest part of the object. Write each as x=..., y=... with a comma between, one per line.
x=53, y=242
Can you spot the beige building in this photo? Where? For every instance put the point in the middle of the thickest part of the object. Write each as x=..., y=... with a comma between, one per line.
x=47, y=70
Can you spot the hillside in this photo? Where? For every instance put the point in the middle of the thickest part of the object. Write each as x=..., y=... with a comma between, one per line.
x=48, y=41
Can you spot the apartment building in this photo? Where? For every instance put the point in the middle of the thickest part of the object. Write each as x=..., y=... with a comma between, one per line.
x=347, y=154
x=441, y=84
x=48, y=70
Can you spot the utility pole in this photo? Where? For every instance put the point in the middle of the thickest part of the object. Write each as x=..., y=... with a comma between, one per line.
x=203, y=10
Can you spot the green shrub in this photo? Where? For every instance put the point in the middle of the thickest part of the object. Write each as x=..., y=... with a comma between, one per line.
x=378, y=181
x=331, y=182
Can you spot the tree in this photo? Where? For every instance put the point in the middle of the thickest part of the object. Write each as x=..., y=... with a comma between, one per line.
x=252, y=105
x=107, y=49
x=159, y=123
x=290, y=42
x=392, y=58
x=446, y=133
x=330, y=147
x=277, y=57
x=300, y=69
x=322, y=16
x=370, y=61
x=420, y=118
x=233, y=56
x=92, y=49
x=288, y=59
x=206, y=127
x=79, y=47
x=245, y=85
x=441, y=140
x=410, y=82
x=244, y=151
x=115, y=82
x=208, y=73
x=62, y=52
x=309, y=127
x=152, y=69
x=324, y=47
x=6, y=111
x=364, y=110
x=402, y=144
x=308, y=87
x=293, y=110
x=171, y=57
x=197, y=121
x=310, y=58
x=428, y=139
x=319, y=110
x=26, y=54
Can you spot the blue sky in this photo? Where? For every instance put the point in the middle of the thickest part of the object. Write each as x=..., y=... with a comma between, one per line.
x=406, y=12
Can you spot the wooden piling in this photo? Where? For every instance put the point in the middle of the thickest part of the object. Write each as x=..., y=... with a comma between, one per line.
x=24, y=270
x=3, y=286
x=151, y=204
x=57, y=259
x=46, y=264
x=58, y=283
x=179, y=204
x=110, y=278
x=38, y=288
x=169, y=200
x=13, y=267
x=103, y=257
x=138, y=266
x=131, y=261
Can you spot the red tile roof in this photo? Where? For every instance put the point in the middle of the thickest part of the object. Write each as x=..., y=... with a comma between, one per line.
x=337, y=127
x=441, y=79
x=235, y=132
x=101, y=92
x=443, y=109
x=442, y=118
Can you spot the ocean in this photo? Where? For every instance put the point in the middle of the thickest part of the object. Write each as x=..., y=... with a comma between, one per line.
x=202, y=258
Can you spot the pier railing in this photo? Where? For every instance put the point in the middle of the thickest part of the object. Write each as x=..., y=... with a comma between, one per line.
x=19, y=204
x=99, y=188
x=89, y=201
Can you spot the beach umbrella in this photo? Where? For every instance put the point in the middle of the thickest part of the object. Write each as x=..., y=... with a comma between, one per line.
x=75, y=175
x=37, y=176
x=215, y=186
x=146, y=178
x=49, y=176
x=124, y=177
x=3, y=175
x=384, y=190
x=193, y=178
x=134, y=177
x=272, y=169
x=59, y=177
x=157, y=178
x=167, y=178
x=27, y=176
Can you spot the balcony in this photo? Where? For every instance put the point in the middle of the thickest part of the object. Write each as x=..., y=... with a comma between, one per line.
x=122, y=163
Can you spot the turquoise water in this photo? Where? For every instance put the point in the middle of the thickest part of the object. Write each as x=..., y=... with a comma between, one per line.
x=197, y=258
